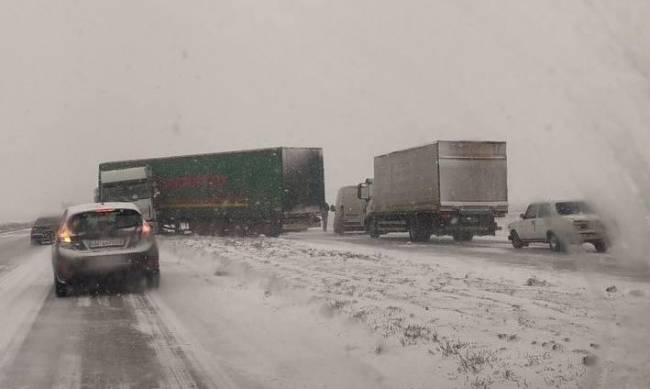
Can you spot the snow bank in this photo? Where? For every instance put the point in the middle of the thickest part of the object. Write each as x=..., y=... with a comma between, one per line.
x=493, y=325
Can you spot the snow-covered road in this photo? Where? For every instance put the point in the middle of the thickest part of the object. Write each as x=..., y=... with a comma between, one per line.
x=313, y=310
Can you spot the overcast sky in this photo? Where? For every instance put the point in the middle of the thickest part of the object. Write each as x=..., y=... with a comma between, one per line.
x=567, y=84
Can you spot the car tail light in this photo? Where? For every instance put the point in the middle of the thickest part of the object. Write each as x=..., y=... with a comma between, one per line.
x=64, y=235
x=65, y=238
x=146, y=229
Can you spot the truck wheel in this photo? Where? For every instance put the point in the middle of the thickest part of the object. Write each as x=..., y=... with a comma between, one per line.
x=601, y=246
x=419, y=234
x=555, y=243
x=516, y=241
x=373, y=229
x=275, y=229
x=420, y=228
x=463, y=236
x=60, y=289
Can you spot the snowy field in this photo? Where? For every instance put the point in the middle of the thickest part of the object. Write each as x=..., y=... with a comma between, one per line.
x=440, y=314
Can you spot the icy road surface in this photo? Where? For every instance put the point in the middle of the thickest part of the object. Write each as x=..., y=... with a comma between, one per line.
x=314, y=310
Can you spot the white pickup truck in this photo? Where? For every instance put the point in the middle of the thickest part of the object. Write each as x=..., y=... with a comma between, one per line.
x=559, y=223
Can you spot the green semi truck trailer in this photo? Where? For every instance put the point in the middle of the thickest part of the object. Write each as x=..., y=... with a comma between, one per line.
x=267, y=191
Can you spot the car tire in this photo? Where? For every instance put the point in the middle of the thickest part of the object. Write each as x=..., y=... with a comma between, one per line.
x=555, y=243
x=60, y=289
x=516, y=241
x=600, y=246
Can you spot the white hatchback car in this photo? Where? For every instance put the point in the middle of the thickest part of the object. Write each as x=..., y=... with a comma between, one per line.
x=559, y=223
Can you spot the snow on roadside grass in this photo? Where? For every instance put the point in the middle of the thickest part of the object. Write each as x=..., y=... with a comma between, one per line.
x=506, y=328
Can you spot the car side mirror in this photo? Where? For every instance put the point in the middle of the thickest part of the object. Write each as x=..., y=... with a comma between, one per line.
x=332, y=208
x=521, y=215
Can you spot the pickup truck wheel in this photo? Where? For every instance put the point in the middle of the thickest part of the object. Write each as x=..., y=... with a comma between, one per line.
x=555, y=243
x=516, y=241
x=600, y=246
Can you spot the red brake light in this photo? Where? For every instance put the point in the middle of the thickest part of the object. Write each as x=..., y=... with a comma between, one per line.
x=146, y=229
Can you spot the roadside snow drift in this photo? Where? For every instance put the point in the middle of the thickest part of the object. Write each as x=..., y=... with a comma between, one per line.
x=445, y=319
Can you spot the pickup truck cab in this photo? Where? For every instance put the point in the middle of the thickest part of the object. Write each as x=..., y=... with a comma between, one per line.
x=559, y=223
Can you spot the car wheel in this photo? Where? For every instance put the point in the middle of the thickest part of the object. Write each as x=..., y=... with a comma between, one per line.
x=555, y=243
x=516, y=241
x=60, y=289
x=601, y=246
x=153, y=280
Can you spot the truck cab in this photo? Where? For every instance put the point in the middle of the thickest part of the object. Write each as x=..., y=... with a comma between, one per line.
x=134, y=185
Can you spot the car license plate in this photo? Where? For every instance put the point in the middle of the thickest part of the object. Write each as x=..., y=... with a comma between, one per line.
x=100, y=243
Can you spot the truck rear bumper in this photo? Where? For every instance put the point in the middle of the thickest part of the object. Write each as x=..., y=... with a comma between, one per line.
x=472, y=222
x=498, y=208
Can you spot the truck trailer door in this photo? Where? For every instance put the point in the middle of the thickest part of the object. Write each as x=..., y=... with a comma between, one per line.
x=473, y=174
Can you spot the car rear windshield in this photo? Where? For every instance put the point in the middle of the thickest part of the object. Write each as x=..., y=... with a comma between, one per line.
x=46, y=221
x=573, y=208
x=104, y=221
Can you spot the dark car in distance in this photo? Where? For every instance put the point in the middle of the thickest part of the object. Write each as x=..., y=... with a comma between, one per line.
x=103, y=240
x=44, y=229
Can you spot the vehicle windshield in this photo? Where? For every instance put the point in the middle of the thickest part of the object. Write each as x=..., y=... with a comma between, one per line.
x=573, y=208
x=46, y=221
x=126, y=192
x=104, y=221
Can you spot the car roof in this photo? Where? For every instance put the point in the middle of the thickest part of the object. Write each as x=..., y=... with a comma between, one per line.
x=97, y=206
x=47, y=219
